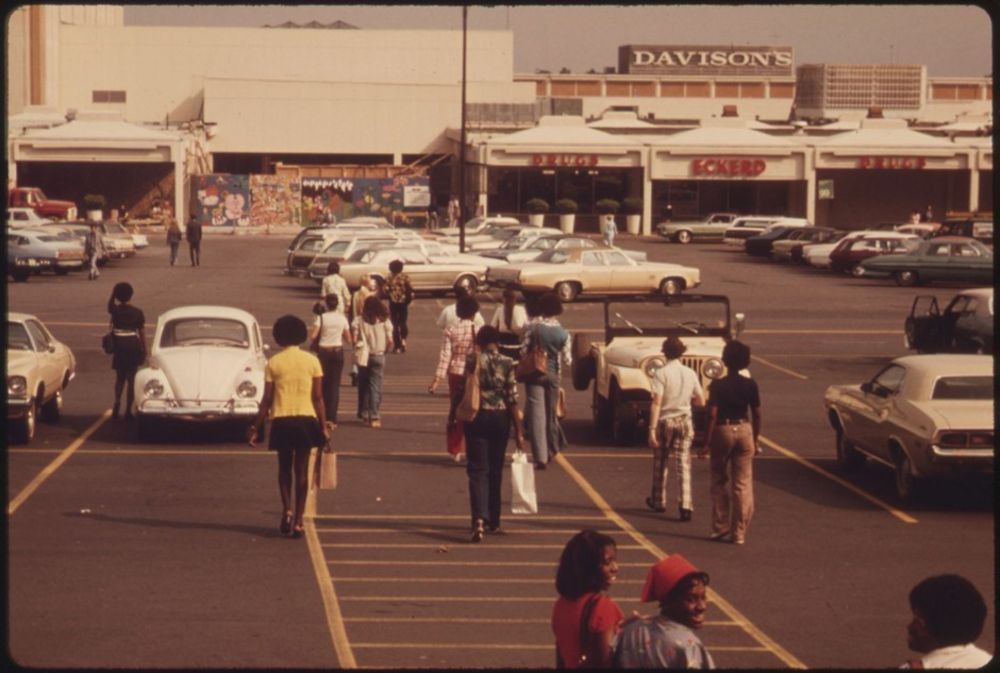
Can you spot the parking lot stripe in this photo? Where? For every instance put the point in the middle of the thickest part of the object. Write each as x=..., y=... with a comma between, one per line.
x=751, y=629
x=515, y=646
x=485, y=580
x=55, y=464
x=761, y=360
x=484, y=620
x=899, y=514
x=463, y=517
x=457, y=547
x=514, y=564
x=512, y=531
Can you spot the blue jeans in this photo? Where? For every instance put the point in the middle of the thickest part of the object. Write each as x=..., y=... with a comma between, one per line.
x=373, y=395
x=485, y=447
x=540, y=417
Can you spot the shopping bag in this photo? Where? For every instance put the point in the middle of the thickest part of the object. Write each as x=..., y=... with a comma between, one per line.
x=522, y=485
x=456, y=438
x=328, y=470
x=561, y=403
x=535, y=362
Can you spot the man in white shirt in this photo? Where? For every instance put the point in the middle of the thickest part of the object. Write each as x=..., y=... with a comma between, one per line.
x=948, y=616
x=449, y=316
x=671, y=429
x=334, y=283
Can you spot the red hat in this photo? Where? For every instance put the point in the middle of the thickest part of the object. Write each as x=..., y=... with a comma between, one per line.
x=664, y=576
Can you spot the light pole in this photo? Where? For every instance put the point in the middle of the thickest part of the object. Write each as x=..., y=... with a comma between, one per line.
x=461, y=144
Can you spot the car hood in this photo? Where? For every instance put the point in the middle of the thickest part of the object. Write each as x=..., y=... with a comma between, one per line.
x=20, y=362
x=630, y=351
x=203, y=372
x=959, y=414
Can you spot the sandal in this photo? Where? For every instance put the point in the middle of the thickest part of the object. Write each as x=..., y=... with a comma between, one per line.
x=298, y=531
x=286, y=523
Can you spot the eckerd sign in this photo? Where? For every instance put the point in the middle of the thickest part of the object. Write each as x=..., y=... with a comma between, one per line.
x=690, y=60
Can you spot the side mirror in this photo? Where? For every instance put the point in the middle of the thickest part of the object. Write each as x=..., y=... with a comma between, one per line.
x=739, y=323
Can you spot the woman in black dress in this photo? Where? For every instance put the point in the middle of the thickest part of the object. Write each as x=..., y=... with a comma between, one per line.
x=127, y=327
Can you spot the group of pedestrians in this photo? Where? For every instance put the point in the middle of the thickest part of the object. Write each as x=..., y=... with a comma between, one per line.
x=193, y=233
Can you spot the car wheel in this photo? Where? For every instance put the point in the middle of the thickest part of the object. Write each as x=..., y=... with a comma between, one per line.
x=849, y=458
x=683, y=237
x=857, y=271
x=146, y=428
x=671, y=286
x=906, y=278
x=584, y=363
x=468, y=283
x=567, y=291
x=24, y=429
x=601, y=409
x=907, y=486
x=52, y=409
x=20, y=275
x=623, y=424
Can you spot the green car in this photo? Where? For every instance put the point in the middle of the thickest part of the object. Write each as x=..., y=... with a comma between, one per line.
x=948, y=258
x=713, y=226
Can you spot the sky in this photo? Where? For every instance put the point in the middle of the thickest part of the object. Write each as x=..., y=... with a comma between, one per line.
x=951, y=40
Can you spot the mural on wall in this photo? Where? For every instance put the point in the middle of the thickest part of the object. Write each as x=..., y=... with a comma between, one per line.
x=386, y=197
x=275, y=200
x=222, y=199
x=326, y=199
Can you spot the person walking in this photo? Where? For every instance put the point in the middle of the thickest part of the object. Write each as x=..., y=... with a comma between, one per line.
x=330, y=331
x=457, y=342
x=542, y=392
x=609, y=230
x=487, y=434
x=293, y=398
x=588, y=566
x=193, y=235
x=128, y=332
x=400, y=293
x=733, y=441
x=333, y=283
x=510, y=319
x=373, y=333
x=671, y=430
x=366, y=288
x=174, y=235
x=449, y=314
x=92, y=248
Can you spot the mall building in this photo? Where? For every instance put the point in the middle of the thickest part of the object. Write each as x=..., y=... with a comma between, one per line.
x=137, y=112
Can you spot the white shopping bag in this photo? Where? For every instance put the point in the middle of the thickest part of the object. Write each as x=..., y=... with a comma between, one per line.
x=522, y=485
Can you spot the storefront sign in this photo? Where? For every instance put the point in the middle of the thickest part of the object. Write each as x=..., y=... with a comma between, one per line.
x=892, y=162
x=824, y=189
x=728, y=167
x=702, y=60
x=563, y=159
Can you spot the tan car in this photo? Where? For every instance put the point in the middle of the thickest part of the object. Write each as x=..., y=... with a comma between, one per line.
x=426, y=274
x=39, y=367
x=599, y=271
x=923, y=416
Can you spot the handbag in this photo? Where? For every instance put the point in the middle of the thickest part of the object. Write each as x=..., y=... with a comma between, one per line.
x=108, y=343
x=328, y=470
x=587, y=660
x=468, y=406
x=535, y=363
x=314, y=344
x=361, y=350
x=561, y=403
x=522, y=485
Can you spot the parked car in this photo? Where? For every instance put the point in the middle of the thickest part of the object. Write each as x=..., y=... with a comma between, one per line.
x=435, y=250
x=477, y=225
x=80, y=230
x=979, y=228
x=117, y=241
x=623, y=364
x=510, y=251
x=22, y=216
x=760, y=245
x=321, y=251
x=965, y=325
x=426, y=274
x=791, y=248
x=745, y=227
x=334, y=229
x=947, y=258
x=39, y=368
x=525, y=242
x=818, y=254
x=49, y=250
x=921, y=229
x=922, y=415
x=119, y=230
x=491, y=237
x=849, y=253
x=206, y=364
x=713, y=226
x=34, y=198
x=574, y=271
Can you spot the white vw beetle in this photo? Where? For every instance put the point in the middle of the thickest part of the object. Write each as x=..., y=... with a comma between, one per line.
x=206, y=364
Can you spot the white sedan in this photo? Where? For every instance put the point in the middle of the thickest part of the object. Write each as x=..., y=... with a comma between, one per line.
x=206, y=364
x=39, y=367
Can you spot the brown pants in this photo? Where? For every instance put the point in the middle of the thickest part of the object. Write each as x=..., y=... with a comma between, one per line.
x=732, y=452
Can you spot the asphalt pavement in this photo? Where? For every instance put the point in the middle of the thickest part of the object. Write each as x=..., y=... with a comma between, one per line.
x=124, y=554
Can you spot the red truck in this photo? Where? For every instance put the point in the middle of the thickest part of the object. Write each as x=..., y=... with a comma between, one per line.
x=34, y=198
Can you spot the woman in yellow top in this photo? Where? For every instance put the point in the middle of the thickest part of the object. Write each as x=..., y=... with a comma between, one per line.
x=293, y=395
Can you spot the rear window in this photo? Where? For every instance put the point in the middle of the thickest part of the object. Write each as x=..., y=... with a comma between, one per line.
x=963, y=388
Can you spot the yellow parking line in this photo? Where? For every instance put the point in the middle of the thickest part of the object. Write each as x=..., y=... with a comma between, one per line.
x=825, y=331
x=781, y=653
x=483, y=620
x=456, y=547
x=513, y=646
x=512, y=531
x=499, y=564
x=452, y=579
x=779, y=368
x=55, y=464
x=899, y=514
x=465, y=517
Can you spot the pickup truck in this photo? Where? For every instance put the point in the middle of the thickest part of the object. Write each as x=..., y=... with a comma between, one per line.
x=34, y=198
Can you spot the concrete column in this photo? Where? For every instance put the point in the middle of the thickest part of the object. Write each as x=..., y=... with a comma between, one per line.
x=397, y=159
x=180, y=184
x=809, y=168
x=647, y=196
x=973, y=184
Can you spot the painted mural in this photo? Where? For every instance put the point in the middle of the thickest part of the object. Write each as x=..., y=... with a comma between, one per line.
x=275, y=200
x=387, y=196
x=326, y=199
x=222, y=199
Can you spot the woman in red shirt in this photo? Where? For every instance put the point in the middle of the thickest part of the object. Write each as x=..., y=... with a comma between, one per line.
x=587, y=569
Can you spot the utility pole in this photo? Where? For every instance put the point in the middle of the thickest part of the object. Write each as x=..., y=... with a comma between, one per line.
x=461, y=144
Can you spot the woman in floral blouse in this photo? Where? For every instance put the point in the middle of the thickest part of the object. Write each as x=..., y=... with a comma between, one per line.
x=400, y=292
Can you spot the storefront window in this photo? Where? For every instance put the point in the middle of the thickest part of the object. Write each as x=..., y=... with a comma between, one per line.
x=576, y=185
x=504, y=191
x=537, y=184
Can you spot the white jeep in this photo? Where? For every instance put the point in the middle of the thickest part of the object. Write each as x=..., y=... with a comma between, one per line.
x=623, y=364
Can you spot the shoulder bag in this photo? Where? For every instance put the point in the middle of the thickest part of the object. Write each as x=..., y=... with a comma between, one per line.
x=314, y=344
x=468, y=407
x=535, y=363
x=108, y=340
x=587, y=658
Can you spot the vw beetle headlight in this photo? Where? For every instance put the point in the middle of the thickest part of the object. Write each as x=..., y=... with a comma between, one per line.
x=713, y=368
x=153, y=388
x=246, y=390
x=17, y=386
x=652, y=365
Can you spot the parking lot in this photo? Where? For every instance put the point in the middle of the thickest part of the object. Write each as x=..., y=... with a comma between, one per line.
x=167, y=554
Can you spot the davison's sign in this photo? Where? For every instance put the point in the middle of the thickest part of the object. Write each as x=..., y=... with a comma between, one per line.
x=701, y=60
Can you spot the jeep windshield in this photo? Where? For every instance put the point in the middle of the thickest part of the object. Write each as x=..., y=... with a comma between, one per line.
x=686, y=315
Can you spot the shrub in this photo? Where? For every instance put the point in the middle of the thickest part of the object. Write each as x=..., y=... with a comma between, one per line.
x=94, y=202
x=537, y=206
x=566, y=206
x=633, y=205
x=607, y=206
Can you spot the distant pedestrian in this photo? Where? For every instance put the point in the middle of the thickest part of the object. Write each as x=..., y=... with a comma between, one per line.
x=671, y=429
x=174, y=235
x=92, y=248
x=914, y=217
x=373, y=334
x=609, y=230
x=929, y=214
x=588, y=567
x=667, y=640
x=457, y=342
x=510, y=319
x=948, y=616
x=449, y=314
x=128, y=332
x=293, y=397
x=400, y=293
x=733, y=440
x=542, y=392
x=331, y=331
x=194, y=239
x=334, y=283
x=487, y=434
x=367, y=288
x=454, y=212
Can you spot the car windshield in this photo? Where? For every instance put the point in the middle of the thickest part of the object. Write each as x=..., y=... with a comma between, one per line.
x=514, y=243
x=17, y=337
x=204, y=332
x=115, y=228
x=544, y=243
x=503, y=233
x=911, y=245
x=680, y=318
x=52, y=238
x=553, y=257
x=337, y=247
x=963, y=388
